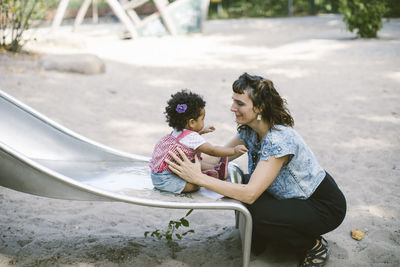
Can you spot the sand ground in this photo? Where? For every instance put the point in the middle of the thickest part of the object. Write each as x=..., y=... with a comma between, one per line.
x=343, y=92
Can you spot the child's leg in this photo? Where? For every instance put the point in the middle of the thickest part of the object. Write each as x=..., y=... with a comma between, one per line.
x=210, y=159
x=219, y=170
x=206, y=166
x=166, y=181
x=209, y=169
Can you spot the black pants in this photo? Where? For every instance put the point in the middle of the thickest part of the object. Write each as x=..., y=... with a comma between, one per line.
x=294, y=223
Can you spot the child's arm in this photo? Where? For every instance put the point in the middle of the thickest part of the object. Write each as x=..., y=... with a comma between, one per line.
x=207, y=129
x=221, y=151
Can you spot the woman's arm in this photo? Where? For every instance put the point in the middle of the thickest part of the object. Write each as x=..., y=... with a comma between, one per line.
x=264, y=174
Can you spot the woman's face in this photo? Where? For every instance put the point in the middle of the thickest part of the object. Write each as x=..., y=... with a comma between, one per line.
x=243, y=108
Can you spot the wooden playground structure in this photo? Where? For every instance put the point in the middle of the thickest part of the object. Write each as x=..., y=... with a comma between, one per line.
x=178, y=17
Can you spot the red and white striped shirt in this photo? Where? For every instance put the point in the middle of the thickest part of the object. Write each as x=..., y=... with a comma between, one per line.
x=170, y=143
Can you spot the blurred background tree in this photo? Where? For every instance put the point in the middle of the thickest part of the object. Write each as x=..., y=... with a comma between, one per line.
x=364, y=16
x=16, y=16
x=280, y=8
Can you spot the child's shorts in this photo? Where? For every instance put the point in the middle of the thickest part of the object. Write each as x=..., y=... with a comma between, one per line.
x=167, y=181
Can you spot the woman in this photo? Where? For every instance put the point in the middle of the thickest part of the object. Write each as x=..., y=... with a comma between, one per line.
x=293, y=201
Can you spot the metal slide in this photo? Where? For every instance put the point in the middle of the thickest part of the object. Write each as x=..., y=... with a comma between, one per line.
x=40, y=157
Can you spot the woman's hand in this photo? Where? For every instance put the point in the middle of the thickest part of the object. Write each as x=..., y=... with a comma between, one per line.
x=183, y=167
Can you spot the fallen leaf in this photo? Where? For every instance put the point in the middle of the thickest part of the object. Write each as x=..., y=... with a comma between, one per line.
x=357, y=234
x=135, y=244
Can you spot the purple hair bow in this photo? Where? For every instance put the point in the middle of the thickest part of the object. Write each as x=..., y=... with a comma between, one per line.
x=181, y=108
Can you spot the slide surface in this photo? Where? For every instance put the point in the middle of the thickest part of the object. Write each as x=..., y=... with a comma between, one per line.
x=41, y=157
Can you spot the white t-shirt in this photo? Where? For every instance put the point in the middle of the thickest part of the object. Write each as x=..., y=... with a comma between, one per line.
x=192, y=140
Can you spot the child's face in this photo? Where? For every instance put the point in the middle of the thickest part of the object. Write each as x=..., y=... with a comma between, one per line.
x=197, y=124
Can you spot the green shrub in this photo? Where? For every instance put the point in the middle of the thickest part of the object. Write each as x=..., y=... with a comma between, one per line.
x=172, y=233
x=364, y=16
x=271, y=8
x=393, y=9
x=15, y=18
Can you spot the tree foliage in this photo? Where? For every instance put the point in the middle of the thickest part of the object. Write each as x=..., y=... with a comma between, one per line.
x=364, y=16
x=15, y=18
x=279, y=8
x=271, y=8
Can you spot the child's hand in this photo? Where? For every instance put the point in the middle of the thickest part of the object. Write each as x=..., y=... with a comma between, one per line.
x=207, y=129
x=240, y=149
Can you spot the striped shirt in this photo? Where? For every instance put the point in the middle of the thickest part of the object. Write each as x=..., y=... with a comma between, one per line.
x=187, y=141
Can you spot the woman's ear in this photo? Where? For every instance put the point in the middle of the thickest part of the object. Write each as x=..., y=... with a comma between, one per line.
x=257, y=110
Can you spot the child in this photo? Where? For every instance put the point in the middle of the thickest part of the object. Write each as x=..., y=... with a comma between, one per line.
x=185, y=114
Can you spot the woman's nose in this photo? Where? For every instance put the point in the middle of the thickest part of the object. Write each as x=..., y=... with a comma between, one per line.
x=233, y=107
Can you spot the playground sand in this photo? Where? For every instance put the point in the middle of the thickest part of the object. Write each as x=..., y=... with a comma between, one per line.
x=343, y=93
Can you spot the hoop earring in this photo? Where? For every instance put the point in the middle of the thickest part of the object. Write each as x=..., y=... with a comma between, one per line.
x=259, y=117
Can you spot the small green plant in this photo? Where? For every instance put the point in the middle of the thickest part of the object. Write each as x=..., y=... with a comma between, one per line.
x=15, y=18
x=170, y=233
x=365, y=16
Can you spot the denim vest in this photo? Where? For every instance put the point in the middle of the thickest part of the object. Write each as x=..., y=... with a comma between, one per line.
x=297, y=179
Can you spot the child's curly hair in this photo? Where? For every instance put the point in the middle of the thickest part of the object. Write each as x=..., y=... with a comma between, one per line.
x=191, y=110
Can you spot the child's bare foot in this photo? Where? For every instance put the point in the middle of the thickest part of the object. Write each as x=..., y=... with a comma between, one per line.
x=212, y=173
x=222, y=168
x=190, y=188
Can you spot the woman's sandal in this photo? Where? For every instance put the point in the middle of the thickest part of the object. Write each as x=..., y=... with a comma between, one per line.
x=318, y=255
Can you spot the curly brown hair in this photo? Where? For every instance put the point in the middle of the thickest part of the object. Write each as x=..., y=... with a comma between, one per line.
x=193, y=105
x=265, y=97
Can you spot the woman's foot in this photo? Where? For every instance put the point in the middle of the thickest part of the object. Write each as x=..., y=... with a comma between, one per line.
x=258, y=246
x=318, y=255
